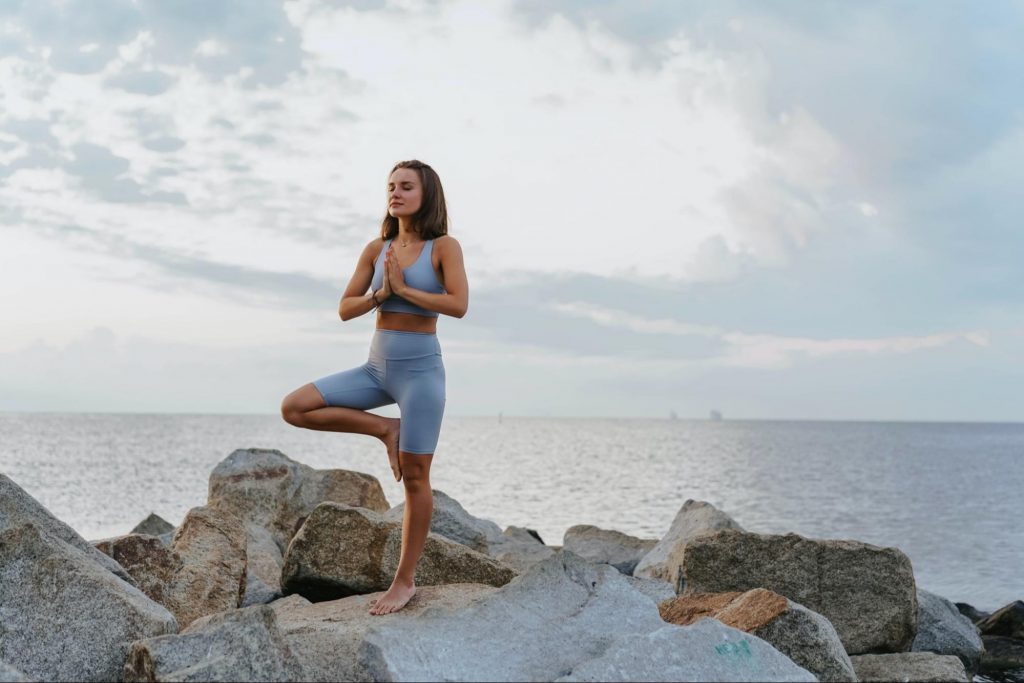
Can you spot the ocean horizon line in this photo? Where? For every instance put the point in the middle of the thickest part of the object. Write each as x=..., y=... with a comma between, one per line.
x=497, y=416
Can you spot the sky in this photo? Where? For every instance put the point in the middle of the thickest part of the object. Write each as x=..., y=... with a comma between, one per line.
x=785, y=210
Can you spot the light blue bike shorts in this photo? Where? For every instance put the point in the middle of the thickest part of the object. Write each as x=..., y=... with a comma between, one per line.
x=404, y=368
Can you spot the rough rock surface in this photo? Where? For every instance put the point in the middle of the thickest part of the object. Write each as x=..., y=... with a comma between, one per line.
x=10, y=674
x=1006, y=621
x=620, y=550
x=343, y=550
x=562, y=612
x=804, y=636
x=664, y=560
x=152, y=525
x=517, y=547
x=203, y=572
x=943, y=630
x=867, y=592
x=1002, y=653
x=326, y=636
x=272, y=495
x=706, y=651
x=235, y=645
x=909, y=666
x=65, y=616
x=18, y=507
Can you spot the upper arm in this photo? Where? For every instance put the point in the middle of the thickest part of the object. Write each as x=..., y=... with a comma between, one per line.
x=454, y=269
x=363, y=275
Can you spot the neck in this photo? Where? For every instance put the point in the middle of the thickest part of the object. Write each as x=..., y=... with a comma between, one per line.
x=406, y=234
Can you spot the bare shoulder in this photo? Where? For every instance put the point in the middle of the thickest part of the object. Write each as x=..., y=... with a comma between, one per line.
x=372, y=248
x=448, y=244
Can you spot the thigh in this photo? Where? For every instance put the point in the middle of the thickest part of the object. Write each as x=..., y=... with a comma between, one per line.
x=418, y=385
x=354, y=388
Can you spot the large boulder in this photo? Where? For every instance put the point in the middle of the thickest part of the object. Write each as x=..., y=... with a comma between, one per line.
x=867, y=592
x=620, y=550
x=685, y=654
x=558, y=616
x=65, y=616
x=804, y=636
x=516, y=547
x=235, y=645
x=17, y=507
x=342, y=550
x=1006, y=621
x=326, y=636
x=153, y=525
x=912, y=667
x=664, y=560
x=202, y=572
x=272, y=495
x=943, y=630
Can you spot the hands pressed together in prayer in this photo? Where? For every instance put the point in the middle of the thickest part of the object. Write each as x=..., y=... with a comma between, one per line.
x=394, y=280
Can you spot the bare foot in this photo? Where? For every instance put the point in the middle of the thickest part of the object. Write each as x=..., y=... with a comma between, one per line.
x=395, y=599
x=390, y=440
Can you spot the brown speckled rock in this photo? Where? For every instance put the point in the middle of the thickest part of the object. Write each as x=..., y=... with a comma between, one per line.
x=867, y=592
x=804, y=636
x=343, y=550
x=203, y=572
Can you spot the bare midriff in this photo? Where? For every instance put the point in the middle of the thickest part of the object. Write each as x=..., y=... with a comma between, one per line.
x=406, y=322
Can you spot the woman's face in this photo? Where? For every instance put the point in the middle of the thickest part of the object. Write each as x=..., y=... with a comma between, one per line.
x=404, y=192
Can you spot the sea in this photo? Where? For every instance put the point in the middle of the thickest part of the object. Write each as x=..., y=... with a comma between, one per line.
x=949, y=495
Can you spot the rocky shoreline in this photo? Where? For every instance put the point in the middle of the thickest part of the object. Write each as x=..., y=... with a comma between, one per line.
x=271, y=580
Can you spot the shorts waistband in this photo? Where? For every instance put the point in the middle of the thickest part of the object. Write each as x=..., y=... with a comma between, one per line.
x=399, y=344
x=426, y=334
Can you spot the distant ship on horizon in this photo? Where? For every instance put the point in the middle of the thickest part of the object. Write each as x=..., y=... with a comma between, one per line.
x=716, y=416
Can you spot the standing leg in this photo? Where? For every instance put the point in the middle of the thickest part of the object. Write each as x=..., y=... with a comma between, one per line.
x=419, y=508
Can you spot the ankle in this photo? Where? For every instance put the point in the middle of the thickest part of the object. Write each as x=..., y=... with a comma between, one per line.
x=399, y=581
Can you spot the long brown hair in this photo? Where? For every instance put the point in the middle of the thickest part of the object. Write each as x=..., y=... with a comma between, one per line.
x=432, y=218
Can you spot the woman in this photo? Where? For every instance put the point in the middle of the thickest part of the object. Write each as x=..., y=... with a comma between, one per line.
x=414, y=272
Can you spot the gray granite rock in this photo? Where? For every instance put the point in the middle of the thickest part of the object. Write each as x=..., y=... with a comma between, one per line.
x=664, y=560
x=943, y=630
x=705, y=651
x=326, y=636
x=273, y=494
x=804, y=636
x=343, y=550
x=867, y=592
x=655, y=589
x=10, y=674
x=451, y=520
x=561, y=613
x=152, y=525
x=18, y=507
x=910, y=667
x=202, y=572
x=620, y=550
x=236, y=645
x=65, y=616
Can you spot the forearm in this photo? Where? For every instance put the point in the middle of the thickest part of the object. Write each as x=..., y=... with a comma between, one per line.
x=448, y=304
x=355, y=306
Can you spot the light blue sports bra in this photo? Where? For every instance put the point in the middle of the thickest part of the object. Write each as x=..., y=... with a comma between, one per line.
x=420, y=275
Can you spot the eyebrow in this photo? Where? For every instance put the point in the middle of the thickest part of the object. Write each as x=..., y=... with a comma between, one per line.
x=404, y=182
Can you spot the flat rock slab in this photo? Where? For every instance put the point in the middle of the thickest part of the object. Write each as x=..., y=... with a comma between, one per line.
x=911, y=667
x=67, y=617
x=237, y=645
x=560, y=614
x=804, y=636
x=706, y=651
x=326, y=636
x=867, y=592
